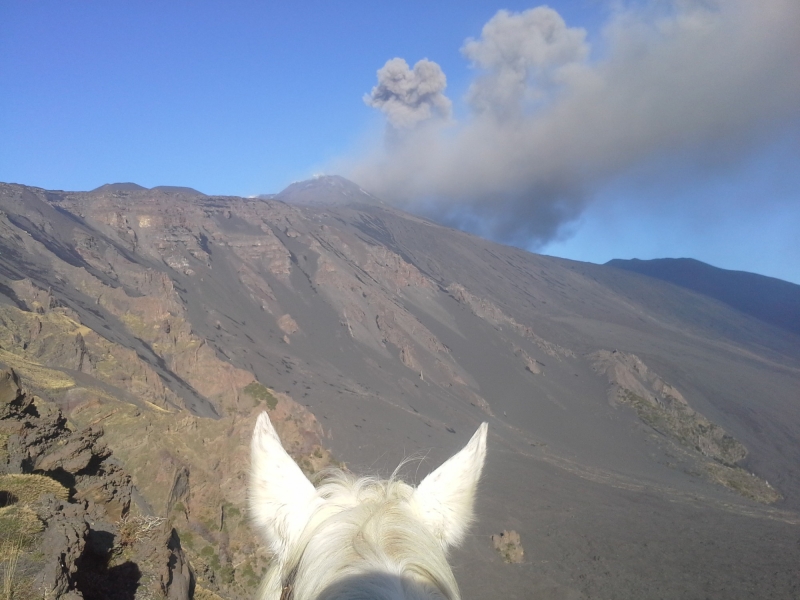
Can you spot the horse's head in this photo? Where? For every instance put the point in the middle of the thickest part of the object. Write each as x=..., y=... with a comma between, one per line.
x=360, y=538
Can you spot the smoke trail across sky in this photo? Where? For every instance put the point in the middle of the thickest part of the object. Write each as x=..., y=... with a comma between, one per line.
x=698, y=84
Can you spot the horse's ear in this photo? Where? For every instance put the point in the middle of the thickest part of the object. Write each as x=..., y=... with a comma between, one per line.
x=281, y=497
x=444, y=499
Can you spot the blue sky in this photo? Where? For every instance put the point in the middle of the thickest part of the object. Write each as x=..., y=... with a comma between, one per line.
x=245, y=97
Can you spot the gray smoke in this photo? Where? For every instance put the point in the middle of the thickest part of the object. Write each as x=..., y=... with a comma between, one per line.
x=521, y=55
x=408, y=97
x=699, y=81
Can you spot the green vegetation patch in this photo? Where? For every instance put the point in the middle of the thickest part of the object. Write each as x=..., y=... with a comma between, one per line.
x=688, y=427
x=209, y=524
x=227, y=574
x=720, y=450
x=261, y=394
x=251, y=579
x=137, y=325
x=187, y=539
x=744, y=483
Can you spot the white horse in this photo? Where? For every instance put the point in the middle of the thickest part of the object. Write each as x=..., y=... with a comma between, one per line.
x=359, y=538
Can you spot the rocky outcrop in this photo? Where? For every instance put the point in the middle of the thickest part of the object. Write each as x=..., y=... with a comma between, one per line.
x=50, y=347
x=509, y=546
x=288, y=325
x=69, y=528
x=36, y=439
x=531, y=364
x=492, y=314
x=662, y=407
x=196, y=471
x=63, y=543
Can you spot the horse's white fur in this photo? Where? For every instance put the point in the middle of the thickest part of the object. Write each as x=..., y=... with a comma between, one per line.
x=360, y=538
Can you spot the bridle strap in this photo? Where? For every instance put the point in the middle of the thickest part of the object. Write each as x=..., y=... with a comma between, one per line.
x=286, y=594
x=288, y=585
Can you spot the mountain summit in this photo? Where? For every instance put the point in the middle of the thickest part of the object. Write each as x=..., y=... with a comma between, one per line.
x=326, y=190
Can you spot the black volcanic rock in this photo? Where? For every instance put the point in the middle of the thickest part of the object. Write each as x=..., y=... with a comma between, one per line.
x=771, y=300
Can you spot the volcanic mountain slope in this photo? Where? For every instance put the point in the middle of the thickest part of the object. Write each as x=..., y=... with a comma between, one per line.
x=643, y=436
x=105, y=334
x=771, y=300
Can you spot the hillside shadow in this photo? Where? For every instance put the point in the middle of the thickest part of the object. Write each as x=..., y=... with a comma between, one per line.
x=96, y=580
x=381, y=586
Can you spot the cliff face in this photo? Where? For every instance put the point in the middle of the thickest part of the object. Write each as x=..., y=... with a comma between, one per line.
x=67, y=527
x=103, y=330
x=171, y=319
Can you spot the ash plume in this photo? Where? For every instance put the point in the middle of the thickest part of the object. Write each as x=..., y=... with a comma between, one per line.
x=705, y=82
x=409, y=96
x=516, y=51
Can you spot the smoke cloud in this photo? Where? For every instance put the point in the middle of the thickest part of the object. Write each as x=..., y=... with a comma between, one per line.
x=522, y=55
x=408, y=97
x=699, y=81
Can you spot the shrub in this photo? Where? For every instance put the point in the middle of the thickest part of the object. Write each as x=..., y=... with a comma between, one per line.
x=261, y=394
x=134, y=529
x=187, y=539
x=226, y=573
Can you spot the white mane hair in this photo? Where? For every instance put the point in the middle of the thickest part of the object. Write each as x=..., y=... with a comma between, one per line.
x=359, y=538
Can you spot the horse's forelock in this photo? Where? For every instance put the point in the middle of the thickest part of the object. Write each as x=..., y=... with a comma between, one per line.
x=367, y=526
x=341, y=488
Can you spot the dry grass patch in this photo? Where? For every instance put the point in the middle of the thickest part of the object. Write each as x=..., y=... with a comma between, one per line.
x=27, y=489
x=10, y=551
x=19, y=522
x=201, y=593
x=37, y=375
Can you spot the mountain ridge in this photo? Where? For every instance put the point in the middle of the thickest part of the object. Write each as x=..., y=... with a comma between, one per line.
x=769, y=299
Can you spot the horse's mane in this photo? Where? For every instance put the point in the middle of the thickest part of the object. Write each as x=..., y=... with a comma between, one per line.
x=368, y=526
x=354, y=538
